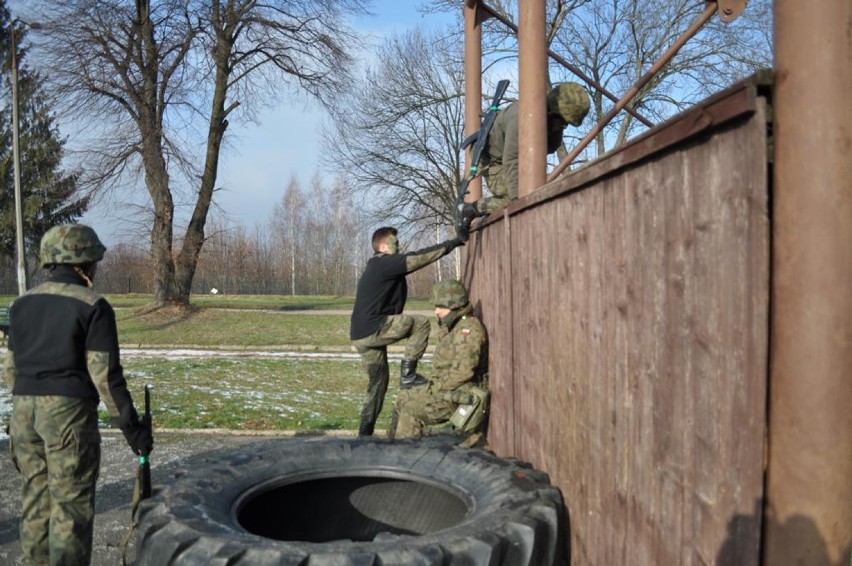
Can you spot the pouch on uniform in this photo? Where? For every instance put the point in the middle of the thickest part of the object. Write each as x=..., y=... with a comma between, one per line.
x=469, y=417
x=12, y=447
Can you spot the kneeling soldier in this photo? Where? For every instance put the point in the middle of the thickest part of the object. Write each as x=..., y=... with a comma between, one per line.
x=459, y=367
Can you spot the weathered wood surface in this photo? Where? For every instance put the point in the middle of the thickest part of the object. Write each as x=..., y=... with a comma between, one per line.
x=627, y=307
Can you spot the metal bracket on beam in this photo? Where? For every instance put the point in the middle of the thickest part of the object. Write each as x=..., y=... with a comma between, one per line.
x=730, y=10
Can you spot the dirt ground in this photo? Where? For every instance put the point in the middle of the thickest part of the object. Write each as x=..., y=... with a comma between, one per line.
x=114, y=490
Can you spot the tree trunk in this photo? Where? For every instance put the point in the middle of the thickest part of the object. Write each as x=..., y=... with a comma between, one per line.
x=194, y=239
x=157, y=180
x=156, y=171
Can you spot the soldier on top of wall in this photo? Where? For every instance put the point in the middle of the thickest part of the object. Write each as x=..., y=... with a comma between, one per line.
x=567, y=104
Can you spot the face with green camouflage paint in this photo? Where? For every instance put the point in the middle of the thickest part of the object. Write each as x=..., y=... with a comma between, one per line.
x=393, y=245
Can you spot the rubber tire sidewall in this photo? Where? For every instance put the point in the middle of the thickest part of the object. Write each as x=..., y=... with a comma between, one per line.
x=515, y=516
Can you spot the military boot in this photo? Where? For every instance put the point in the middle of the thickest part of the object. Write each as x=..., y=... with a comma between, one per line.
x=366, y=428
x=408, y=377
x=465, y=214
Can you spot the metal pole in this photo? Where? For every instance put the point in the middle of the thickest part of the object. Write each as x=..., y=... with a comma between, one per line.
x=19, y=223
x=532, y=92
x=564, y=62
x=709, y=10
x=472, y=86
x=808, y=517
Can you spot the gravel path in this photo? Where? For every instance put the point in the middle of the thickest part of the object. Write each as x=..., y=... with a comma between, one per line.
x=115, y=487
x=118, y=464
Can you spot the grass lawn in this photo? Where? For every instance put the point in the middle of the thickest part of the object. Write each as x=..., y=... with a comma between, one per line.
x=254, y=394
x=265, y=302
x=240, y=392
x=231, y=328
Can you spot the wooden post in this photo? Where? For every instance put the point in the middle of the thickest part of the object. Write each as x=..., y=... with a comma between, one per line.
x=809, y=491
x=472, y=85
x=532, y=116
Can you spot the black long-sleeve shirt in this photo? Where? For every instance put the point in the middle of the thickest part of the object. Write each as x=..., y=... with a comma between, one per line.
x=63, y=341
x=382, y=289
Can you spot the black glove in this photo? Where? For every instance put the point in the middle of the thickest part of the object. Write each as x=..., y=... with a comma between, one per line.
x=450, y=245
x=139, y=438
x=137, y=434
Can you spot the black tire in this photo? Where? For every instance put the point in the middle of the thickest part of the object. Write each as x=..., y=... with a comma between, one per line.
x=353, y=502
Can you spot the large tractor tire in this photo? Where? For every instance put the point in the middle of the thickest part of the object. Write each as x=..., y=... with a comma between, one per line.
x=353, y=502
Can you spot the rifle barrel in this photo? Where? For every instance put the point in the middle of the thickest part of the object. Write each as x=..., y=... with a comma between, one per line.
x=144, y=463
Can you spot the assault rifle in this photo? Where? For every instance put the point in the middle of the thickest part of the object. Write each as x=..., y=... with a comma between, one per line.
x=478, y=139
x=142, y=485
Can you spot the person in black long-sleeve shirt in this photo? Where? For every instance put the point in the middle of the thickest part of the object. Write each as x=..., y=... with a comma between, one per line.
x=377, y=319
x=63, y=359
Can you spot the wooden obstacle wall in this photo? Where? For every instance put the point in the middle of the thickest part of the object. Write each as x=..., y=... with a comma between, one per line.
x=627, y=306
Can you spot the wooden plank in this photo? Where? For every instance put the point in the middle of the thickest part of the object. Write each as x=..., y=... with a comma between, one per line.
x=488, y=277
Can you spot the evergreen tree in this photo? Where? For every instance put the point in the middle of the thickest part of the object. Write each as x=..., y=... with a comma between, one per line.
x=49, y=194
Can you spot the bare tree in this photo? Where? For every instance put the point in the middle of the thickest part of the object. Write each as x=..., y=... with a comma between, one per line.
x=315, y=242
x=614, y=42
x=397, y=135
x=150, y=77
x=318, y=234
x=617, y=41
x=238, y=260
x=288, y=224
x=126, y=268
x=333, y=231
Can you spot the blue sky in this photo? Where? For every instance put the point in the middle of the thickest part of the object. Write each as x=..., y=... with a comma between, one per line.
x=284, y=141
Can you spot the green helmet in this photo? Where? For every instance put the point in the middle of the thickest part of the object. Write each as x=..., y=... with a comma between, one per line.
x=71, y=244
x=449, y=294
x=569, y=100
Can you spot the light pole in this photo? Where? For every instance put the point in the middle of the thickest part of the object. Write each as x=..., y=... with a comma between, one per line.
x=19, y=215
x=19, y=227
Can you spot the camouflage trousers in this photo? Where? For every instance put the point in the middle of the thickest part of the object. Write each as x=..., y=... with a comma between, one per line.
x=56, y=445
x=417, y=407
x=495, y=178
x=374, y=356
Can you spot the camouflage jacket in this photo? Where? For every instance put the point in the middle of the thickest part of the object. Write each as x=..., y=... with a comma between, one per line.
x=462, y=350
x=502, y=145
x=63, y=341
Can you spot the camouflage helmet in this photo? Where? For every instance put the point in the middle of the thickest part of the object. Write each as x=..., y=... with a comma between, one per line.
x=449, y=294
x=71, y=244
x=570, y=101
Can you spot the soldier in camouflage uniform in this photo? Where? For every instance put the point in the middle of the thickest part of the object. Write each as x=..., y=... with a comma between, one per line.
x=378, y=321
x=567, y=103
x=62, y=360
x=460, y=359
